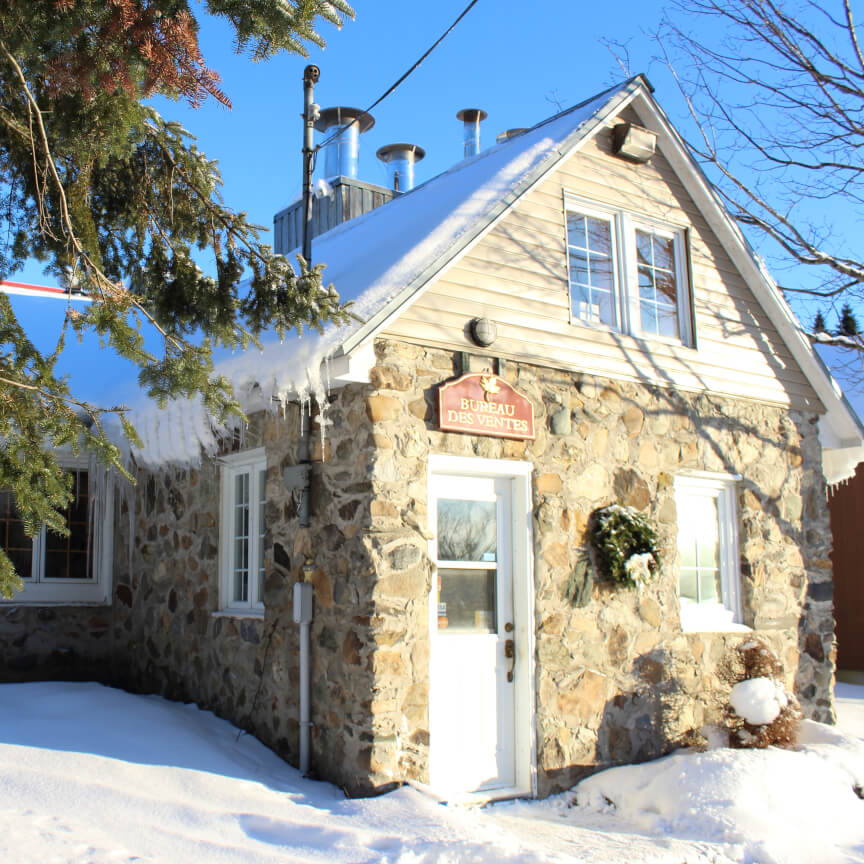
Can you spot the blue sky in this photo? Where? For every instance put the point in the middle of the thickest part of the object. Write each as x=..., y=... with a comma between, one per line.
x=508, y=58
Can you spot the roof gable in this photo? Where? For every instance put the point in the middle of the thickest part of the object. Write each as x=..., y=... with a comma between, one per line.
x=381, y=261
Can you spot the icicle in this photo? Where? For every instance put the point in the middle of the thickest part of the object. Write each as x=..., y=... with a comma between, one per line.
x=304, y=405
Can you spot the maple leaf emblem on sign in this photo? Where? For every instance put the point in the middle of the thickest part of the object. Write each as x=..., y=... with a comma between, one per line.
x=489, y=383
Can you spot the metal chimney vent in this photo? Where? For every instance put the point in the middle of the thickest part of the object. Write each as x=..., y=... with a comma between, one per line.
x=342, y=154
x=471, y=119
x=400, y=160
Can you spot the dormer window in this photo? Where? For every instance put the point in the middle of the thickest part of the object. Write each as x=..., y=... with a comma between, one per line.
x=627, y=273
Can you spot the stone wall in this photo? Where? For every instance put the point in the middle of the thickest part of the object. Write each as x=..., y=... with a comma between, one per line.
x=55, y=643
x=616, y=680
x=171, y=638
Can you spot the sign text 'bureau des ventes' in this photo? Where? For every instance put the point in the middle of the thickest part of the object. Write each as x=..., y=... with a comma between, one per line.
x=481, y=404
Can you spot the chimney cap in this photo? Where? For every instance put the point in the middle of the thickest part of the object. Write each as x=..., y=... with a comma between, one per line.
x=391, y=151
x=341, y=115
x=471, y=115
x=507, y=134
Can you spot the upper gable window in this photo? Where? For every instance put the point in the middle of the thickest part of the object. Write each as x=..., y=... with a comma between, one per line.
x=627, y=273
x=71, y=569
x=591, y=255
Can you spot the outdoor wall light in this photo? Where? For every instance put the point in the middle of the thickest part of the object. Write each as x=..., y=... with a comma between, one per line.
x=633, y=142
x=483, y=331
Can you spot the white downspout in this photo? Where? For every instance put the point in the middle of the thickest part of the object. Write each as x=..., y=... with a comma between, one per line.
x=303, y=616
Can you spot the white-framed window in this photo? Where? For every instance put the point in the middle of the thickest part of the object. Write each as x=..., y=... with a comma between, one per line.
x=627, y=273
x=592, y=263
x=241, y=532
x=709, y=571
x=75, y=569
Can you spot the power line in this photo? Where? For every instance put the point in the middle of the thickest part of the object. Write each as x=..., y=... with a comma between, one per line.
x=384, y=95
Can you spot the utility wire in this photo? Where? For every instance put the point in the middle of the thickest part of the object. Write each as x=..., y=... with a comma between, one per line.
x=384, y=95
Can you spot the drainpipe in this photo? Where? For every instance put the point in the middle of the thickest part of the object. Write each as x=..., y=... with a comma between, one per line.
x=303, y=617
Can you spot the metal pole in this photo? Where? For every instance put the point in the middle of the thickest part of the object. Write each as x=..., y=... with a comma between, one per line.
x=303, y=590
x=311, y=74
x=310, y=114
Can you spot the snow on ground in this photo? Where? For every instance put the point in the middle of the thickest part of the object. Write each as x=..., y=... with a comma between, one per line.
x=91, y=775
x=849, y=700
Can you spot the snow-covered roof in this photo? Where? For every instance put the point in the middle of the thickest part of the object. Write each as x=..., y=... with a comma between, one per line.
x=378, y=261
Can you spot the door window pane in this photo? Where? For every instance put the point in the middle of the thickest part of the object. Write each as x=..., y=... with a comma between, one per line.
x=467, y=530
x=466, y=600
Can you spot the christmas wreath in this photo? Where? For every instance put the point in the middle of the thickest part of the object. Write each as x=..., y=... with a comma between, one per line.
x=625, y=545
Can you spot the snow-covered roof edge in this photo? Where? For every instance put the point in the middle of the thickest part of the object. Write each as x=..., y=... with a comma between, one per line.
x=181, y=432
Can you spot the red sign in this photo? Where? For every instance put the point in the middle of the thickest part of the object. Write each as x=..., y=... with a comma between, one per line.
x=484, y=405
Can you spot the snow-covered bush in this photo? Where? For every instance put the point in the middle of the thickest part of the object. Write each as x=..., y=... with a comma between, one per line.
x=761, y=712
x=625, y=545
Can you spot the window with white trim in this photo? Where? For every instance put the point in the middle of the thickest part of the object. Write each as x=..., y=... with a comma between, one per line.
x=242, y=531
x=627, y=273
x=709, y=573
x=65, y=569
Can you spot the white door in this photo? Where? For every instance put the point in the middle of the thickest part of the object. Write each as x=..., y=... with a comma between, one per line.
x=473, y=640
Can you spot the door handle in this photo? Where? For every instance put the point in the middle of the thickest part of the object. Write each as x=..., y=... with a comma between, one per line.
x=510, y=653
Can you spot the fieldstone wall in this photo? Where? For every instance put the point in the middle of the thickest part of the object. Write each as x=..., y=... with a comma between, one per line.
x=172, y=639
x=616, y=679
x=55, y=643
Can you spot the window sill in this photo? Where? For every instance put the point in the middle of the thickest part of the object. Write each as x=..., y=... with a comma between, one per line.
x=12, y=602
x=709, y=618
x=53, y=594
x=255, y=614
x=643, y=341
x=728, y=628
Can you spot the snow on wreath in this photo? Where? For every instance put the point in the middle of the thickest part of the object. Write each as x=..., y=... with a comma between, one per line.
x=625, y=545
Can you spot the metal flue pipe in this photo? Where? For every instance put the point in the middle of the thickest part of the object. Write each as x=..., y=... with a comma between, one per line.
x=311, y=74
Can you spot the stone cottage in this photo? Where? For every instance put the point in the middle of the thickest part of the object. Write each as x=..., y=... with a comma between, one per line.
x=566, y=320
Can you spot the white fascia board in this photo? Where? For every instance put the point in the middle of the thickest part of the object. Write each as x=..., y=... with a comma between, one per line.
x=353, y=366
x=574, y=142
x=840, y=429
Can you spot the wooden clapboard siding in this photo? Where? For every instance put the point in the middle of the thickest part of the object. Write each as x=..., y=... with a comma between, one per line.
x=614, y=355
x=517, y=276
